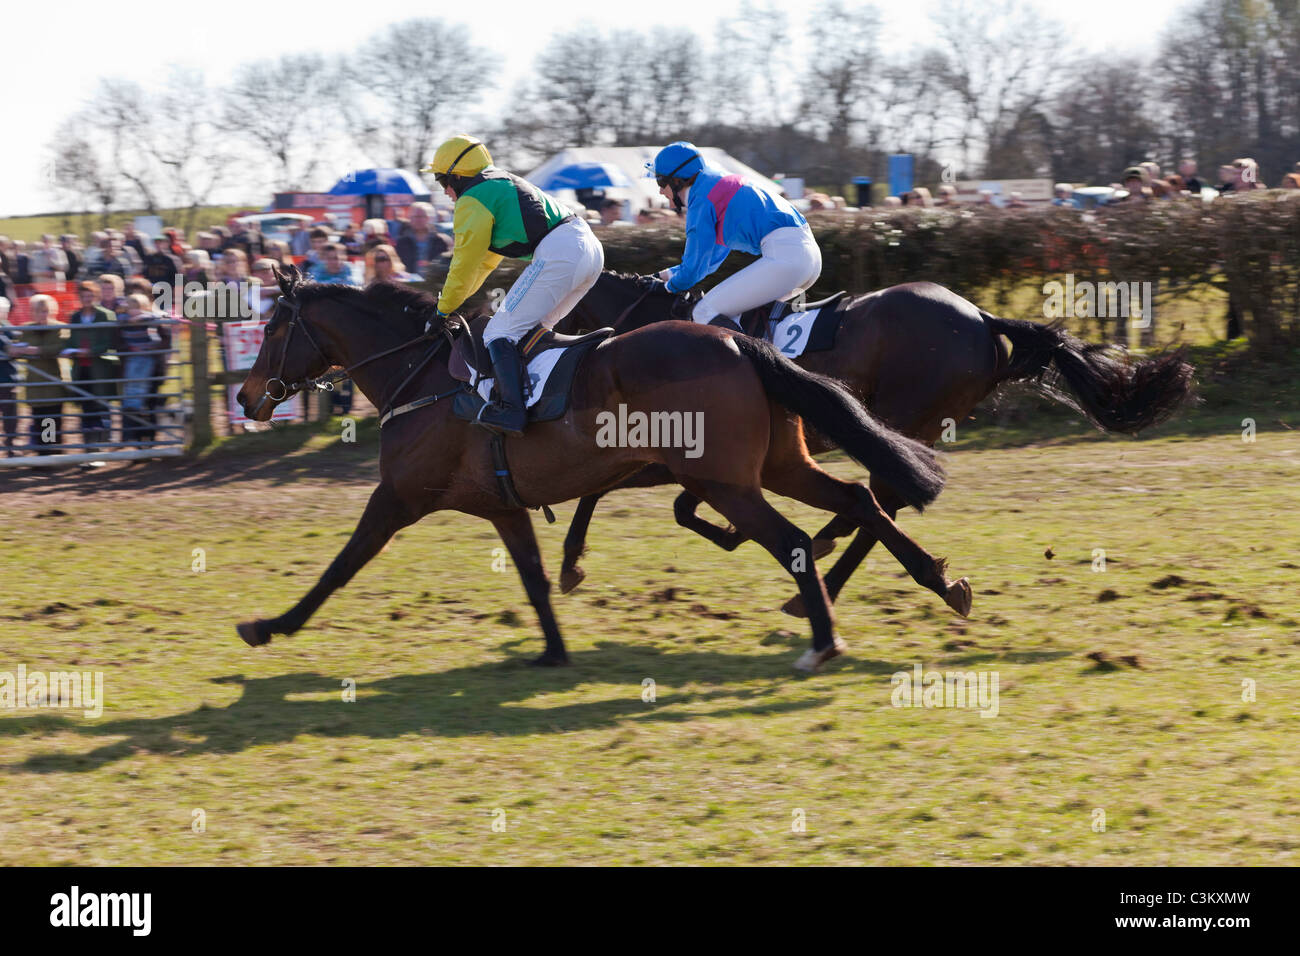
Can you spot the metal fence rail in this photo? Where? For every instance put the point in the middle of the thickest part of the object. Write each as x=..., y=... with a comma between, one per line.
x=68, y=418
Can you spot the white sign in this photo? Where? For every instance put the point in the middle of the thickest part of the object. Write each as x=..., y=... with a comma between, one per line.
x=243, y=341
x=1030, y=190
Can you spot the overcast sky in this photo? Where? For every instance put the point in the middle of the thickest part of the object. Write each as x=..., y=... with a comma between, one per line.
x=54, y=55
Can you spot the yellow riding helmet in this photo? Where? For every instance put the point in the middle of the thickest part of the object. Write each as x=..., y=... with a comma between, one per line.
x=460, y=156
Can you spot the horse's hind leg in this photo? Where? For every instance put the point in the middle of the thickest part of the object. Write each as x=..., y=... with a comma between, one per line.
x=384, y=516
x=804, y=481
x=729, y=539
x=853, y=555
x=516, y=530
x=757, y=520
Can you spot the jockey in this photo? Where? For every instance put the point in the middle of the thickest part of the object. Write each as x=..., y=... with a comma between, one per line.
x=498, y=215
x=724, y=212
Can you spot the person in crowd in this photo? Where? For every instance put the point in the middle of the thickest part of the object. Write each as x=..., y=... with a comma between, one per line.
x=725, y=213
x=133, y=240
x=1135, y=182
x=318, y=238
x=350, y=239
x=299, y=241
x=115, y=259
x=233, y=267
x=333, y=267
x=1063, y=195
x=44, y=391
x=499, y=214
x=8, y=381
x=893, y=202
x=6, y=255
x=263, y=290
x=22, y=269
x=420, y=244
x=247, y=239
x=197, y=266
x=611, y=213
x=1244, y=176
x=176, y=244
x=277, y=250
x=383, y=264
x=1291, y=181
x=160, y=265
x=139, y=343
x=71, y=250
x=92, y=263
x=374, y=232
x=1187, y=170
x=112, y=292
x=94, y=364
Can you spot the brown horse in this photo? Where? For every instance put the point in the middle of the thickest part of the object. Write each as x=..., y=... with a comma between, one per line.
x=916, y=355
x=750, y=398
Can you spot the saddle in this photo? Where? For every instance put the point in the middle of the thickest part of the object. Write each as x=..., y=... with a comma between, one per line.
x=469, y=362
x=756, y=322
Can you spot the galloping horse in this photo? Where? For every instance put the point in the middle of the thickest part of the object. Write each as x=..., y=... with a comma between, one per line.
x=751, y=398
x=915, y=354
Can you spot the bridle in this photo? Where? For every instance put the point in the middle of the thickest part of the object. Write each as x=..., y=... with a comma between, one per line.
x=326, y=381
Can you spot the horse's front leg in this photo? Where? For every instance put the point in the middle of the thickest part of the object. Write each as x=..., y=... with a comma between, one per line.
x=516, y=530
x=384, y=516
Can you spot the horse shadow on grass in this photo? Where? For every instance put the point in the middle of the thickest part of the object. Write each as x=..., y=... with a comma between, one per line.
x=499, y=698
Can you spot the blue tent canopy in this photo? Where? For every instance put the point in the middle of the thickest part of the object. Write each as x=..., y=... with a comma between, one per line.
x=380, y=182
x=584, y=176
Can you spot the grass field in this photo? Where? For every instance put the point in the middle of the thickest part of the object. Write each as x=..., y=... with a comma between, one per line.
x=451, y=732
x=31, y=228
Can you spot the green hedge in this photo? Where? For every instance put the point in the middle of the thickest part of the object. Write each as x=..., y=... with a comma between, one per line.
x=1248, y=246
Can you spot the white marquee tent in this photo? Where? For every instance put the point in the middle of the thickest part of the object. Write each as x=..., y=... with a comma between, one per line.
x=631, y=160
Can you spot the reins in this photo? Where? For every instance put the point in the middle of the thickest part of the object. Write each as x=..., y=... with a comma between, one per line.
x=326, y=381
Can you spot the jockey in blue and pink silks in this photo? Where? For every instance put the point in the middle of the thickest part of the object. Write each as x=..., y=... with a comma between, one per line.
x=726, y=212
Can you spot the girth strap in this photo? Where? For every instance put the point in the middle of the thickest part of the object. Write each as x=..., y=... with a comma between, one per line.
x=506, y=484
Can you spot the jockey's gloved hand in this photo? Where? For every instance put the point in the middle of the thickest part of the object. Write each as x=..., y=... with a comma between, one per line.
x=655, y=284
x=438, y=321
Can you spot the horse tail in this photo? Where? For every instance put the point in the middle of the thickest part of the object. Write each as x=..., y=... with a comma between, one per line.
x=909, y=467
x=1110, y=388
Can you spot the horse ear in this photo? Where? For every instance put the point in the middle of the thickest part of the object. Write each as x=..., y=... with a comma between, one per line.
x=286, y=277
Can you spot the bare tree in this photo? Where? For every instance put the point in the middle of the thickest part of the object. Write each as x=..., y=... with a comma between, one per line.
x=841, y=75
x=1001, y=63
x=287, y=109
x=401, y=89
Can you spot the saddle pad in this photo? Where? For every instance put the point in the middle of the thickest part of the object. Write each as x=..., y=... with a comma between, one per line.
x=551, y=375
x=792, y=334
x=539, y=372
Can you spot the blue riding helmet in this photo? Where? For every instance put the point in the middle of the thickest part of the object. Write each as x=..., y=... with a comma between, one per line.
x=679, y=160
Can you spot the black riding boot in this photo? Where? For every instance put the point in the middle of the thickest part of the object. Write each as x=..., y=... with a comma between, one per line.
x=726, y=322
x=508, y=415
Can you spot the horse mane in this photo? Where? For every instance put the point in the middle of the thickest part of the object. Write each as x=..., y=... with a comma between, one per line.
x=405, y=310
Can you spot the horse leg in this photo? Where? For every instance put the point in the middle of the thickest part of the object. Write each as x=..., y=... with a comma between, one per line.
x=853, y=555
x=755, y=519
x=384, y=516
x=575, y=542
x=824, y=540
x=809, y=484
x=516, y=530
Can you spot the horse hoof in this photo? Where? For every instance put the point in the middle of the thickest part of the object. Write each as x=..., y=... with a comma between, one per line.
x=810, y=660
x=570, y=578
x=550, y=660
x=794, y=607
x=254, y=633
x=822, y=547
x=959, y=597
